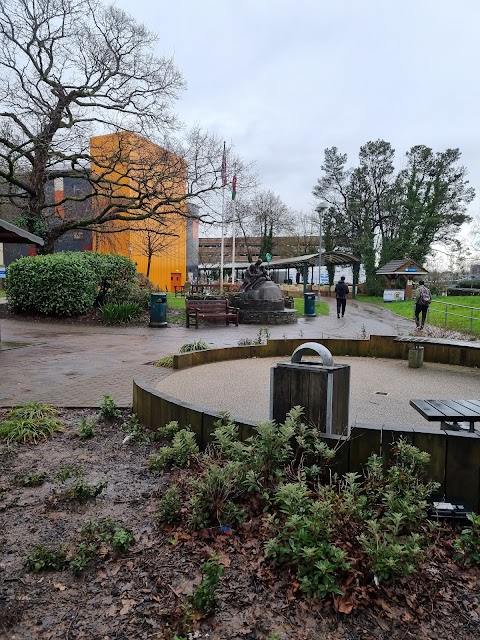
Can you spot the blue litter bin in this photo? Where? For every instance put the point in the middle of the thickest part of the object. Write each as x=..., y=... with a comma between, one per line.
x=309, y=304
x=158, y=310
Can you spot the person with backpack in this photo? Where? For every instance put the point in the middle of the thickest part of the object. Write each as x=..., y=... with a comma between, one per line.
x=422, y=301
x=341, y=293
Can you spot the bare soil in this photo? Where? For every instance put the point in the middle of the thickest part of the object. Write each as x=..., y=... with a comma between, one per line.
x=139, y=595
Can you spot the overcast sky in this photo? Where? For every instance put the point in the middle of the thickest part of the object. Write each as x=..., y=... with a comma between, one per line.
x=282, y=80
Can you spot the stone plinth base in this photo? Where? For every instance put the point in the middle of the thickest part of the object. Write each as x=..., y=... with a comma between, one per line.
x=257, y=316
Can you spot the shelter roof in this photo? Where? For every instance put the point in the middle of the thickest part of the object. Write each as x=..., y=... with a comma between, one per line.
x=9, y=233
x=401, y=267
x=328, y=257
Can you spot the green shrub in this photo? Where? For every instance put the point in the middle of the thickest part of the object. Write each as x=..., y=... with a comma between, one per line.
x=468, y=543
x=166, y=361
x=30, y=423
x=180, y=453
x=197, y=345
x=94, y=534
x=62, y=284
x=474, y=283
x=135, y=431
x=42, y=558
x=108, y=408
x=111, y=271
x=129, y=293
x=204, y=598
x=31, y=479
x=121, y=313
x=69, y=283
x=169, y=505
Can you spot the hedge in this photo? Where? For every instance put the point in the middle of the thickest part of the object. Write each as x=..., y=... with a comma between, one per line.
x=65, y=284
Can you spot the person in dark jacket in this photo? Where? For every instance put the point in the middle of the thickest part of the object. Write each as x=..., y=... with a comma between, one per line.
x=341, y=293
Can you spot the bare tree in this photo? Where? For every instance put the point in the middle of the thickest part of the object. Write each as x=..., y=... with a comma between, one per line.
x=264, y=216
x=73, y=69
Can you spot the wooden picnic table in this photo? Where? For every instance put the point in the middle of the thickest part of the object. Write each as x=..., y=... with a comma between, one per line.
x=449, y=412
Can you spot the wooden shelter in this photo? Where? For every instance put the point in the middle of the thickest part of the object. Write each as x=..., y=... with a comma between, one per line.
x=407, y=268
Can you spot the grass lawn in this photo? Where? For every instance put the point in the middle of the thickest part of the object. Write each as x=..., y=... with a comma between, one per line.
x=321, y=308
x=2, y=293
x=443, y=311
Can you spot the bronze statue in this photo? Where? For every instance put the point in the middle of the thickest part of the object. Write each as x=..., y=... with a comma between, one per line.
x=254, y=275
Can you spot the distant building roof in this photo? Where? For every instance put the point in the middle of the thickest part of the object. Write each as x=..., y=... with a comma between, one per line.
x=400, y=268
x=9, y=233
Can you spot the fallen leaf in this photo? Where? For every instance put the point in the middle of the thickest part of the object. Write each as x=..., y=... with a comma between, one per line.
x=343, y=604
x=59, y=586
x=112, y=611
x=127, y=606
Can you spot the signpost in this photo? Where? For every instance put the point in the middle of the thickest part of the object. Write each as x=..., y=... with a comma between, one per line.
x=268, y=257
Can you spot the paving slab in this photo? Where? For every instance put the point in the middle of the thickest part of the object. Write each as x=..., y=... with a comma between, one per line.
x=74, y=364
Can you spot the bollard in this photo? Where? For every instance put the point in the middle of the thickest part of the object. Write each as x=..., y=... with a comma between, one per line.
x=415, y=357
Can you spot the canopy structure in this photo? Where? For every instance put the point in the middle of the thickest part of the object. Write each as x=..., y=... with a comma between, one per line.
x=300, y=263
x=311, y=260
x=9, y=234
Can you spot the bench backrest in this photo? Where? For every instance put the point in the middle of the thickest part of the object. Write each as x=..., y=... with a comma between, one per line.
x=208, y=306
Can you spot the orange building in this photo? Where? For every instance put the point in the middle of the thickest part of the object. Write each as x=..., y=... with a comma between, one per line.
x=134, y=178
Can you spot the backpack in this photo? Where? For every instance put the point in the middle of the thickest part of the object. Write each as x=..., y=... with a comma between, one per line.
x=425, y=297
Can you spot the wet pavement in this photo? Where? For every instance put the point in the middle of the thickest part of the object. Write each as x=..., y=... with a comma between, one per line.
x=71, y=365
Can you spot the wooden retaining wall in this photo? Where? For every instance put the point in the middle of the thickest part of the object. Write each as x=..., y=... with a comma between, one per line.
x=455, y=456
x=464, y=354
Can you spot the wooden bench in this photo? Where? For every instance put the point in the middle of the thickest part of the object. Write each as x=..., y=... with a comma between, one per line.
x=211, y=310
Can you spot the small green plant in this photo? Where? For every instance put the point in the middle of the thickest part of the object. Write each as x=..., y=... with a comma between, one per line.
x=86, y=429
x=31, y=422
x=197, y=345
x=134, y=431
x=169, y=506
x=263, y=336
x=468, y=543
x=42, y=558
x=180, y=453
x=108, y=408
x=79, y=490
x=67, y=471
x=204, y=599
x=169, y=430
x=166, y=361
x=121, y=540
x=120, y=313
x=94, y=534
x=31, y=479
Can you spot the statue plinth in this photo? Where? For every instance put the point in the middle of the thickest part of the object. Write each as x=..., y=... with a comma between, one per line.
x=262, y=302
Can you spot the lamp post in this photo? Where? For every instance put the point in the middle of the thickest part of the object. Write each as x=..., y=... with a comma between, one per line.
x=322, y=205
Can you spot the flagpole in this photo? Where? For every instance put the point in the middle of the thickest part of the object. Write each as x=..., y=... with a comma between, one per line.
x=233, y=241
x=222, y=242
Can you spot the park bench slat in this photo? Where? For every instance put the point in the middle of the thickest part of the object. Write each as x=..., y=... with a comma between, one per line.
x=462, y=407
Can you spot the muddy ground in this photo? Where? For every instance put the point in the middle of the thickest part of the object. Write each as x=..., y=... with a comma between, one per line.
x=139, y=595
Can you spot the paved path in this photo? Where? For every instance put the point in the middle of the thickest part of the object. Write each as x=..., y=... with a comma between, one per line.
x=73, y=365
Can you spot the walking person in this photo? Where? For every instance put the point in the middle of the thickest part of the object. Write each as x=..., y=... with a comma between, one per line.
x=422, y=301
x=341, y=293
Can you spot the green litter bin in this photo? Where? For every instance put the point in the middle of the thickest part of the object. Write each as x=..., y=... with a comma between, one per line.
x=158, y=310
x=309, y=304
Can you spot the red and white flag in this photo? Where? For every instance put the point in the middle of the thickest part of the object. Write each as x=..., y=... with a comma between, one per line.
x=224, y=166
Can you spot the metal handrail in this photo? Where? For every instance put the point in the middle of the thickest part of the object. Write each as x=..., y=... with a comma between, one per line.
x=458, y=315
